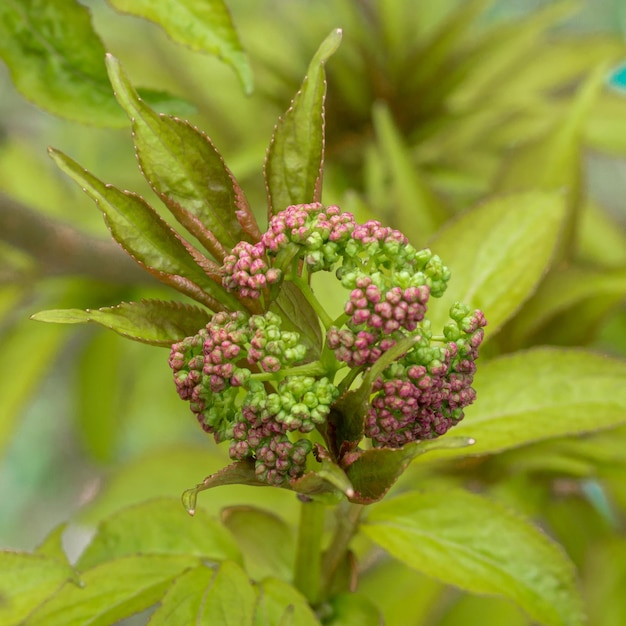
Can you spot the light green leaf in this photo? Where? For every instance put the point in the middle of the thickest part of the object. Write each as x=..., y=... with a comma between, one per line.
x=52, y=545
x=601, y=238
x=154, y=322
x=354, y=609
x=56, y=60
x=561, y=291
x=293, y=167
x=186, y=170
x=471, y=542
x=149, y=239
x=498, y=253
x=416, y=208
x=540, y=394
x=203, y=25
x=280, y=604
x=266, y=541
x=27, y=580
x=112, y=591
x=159, y=527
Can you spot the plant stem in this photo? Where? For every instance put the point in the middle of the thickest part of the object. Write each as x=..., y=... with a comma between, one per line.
x=307, y=292
x=308, y=564
x=348, y=516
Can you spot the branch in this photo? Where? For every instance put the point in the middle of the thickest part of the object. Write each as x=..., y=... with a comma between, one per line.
x=61, y=249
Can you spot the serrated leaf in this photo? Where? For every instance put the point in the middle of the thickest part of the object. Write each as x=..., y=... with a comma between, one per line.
x=149, y=239
x=471, y=542
x=27, y=580
x=186, y=171
x=154, y=322
x=280, y=604
x=541, y=394
x=112, y=591
x=159, y=527
x=498, y=253
x=202, y=25
x=293, y=167
x=56, y=60
x=266, y=541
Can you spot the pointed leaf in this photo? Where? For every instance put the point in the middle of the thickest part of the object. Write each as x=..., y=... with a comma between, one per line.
x=541, y=394
x=148, y=238
x=112, y=591
x=498, y=253
x=56, y=60
x=204, y=597
x=203, y=25
x=186, y=170
x=27, y=580
x=159, y=527
x=293, y=167
x=471, y=542
x=149, y=321
x=266, y=541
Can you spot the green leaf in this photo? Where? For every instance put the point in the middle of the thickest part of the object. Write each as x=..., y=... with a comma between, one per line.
x=498, y=253
x=150, y=240
x=52, y=545
x=354, y=609
x=281, y=604
x=293, y=167
x=27, y=580
x=204, y=597
x=112, y=591
x=541, y=394
x=186, y=171
x=562, y=291
x=150, y=321
x=56, y=60
x=469, y=541
x=159, y=527
x=416, y=210
x=203, y=25
x=266, y=541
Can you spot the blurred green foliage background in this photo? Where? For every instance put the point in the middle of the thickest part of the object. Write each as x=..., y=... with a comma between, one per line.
x=432, y=107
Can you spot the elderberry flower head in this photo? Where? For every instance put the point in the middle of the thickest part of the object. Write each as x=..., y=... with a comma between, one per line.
x=252, y=381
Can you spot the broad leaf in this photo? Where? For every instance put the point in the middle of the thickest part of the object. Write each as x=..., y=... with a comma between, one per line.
x=112, y=591
x=56, y=60
x=203, y=25
x=281, y=604
x=159, y=527
x=205, y=597
x=149, y=321
x=150, y=240
x=293, y=167
x=498, y=253
x=266, y=541
x=541, y=394
x=475, y=544
x=27, y=580
x=186, y=170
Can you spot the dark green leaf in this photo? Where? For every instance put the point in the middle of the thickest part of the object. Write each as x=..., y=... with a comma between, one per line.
x=203, y=25
x=27, y=580
x=56, y=60
x=266, y=541
x=541, y=394
x=159, y=527
x=150, y=240
x=149, y=321
x=112, y=591
x=473, y=543
x=293, y=167
x=498, y=253
x=186, y=170
x=353, y=609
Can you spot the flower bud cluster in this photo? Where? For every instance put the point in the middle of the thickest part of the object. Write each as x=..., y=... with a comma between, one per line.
x=218, y=371
x=423, y=394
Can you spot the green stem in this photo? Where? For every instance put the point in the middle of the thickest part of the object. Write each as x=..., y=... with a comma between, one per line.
x=307, y=292
x=348, y=516
x=307, y=571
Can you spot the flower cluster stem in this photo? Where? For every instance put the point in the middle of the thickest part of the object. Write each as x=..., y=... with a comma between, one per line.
x=307, y=571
